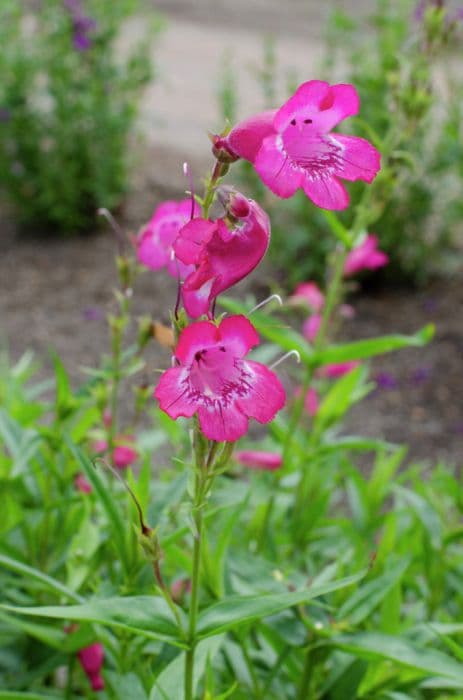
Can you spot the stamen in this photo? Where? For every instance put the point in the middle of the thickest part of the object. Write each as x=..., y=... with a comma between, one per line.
x=187, y=173
x=284, y=357
x=120, y=235
x=272, y=297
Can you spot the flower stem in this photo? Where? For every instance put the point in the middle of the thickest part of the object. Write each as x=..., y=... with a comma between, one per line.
x=190, y=654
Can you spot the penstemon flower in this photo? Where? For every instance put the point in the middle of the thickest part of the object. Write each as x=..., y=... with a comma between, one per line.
x=214, y=381
x=222, y=251
x=259, y=459
x=311, y=326
x=91, y=659
x=293, y=148
x=154, y=242
x=124, y=453
x=309, y=293
x=365, y=256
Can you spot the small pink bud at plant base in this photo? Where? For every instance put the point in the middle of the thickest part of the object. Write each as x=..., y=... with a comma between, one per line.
x=179, y=588
x=259, y=459
x=124, y=453
x=81, y=484
x=338, y=369
x=213, y=380
x=91, y=659
x=294, y=147
x=311, y=326
x=310, y=293
x=366, y=256
x=107, y=418
x=311, y=403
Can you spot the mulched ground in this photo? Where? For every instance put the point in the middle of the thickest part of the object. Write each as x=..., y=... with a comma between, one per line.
x=54, y=294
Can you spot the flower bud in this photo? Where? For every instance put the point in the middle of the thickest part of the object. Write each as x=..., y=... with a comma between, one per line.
x=221, y=150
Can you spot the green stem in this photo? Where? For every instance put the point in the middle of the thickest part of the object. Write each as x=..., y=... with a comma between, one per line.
x=306, y=680
x=190, y=654
x=211, y=187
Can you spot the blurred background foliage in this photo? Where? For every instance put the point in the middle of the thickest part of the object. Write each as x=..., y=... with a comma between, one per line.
x=401, y=59
x=68, y=101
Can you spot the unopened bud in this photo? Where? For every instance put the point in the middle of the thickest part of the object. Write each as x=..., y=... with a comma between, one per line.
x=221, y=149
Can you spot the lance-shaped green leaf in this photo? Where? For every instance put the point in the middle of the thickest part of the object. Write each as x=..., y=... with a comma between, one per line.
x=373, y=646
x=117, y=523
x=148, y=616
x=234, y=611
x=29, y=573
x=363, y=349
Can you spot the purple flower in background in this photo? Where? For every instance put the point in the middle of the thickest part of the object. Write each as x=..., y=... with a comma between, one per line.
x=420, y=375
x=420, y=8
x=82, y=25
x=384, y=380
x=92, y=313
x=5, y=115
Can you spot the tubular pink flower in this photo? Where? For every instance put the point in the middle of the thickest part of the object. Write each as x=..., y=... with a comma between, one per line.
x=366, y=256
x=293, y=148
x=91, y=659
x=154, y=242
x=213, y=380
x=221, y=256
x=311, y=402
x=311, y=326
x=259, y=459
x=81, y=484
x=310, y=293
x=124, y=453
x=338, y=369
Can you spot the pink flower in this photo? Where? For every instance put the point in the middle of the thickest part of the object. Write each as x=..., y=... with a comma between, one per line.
x=221, y=256
x=124, y=453
x=259, y=459
x=154, y=243
x=311, y=326
x=311, y=294
x=366, y=256
x=81, y=484
x=91, y=659
x=311, y=402
x=338, y=369
x=213, y=380
x=292, y=147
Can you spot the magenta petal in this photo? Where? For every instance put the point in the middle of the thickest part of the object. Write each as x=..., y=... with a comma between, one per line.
x=266, y=395
x=189, y=243
x=277, y=169
x=197, y=300
x=327, y=193
x=239, y=334
x=259, y=459
x=360, y=160
x=199, y=335
x=306, y=98
x=150, y=252
x=245, y=138
x=173, y=392
x=224, y=424
x=342, y=101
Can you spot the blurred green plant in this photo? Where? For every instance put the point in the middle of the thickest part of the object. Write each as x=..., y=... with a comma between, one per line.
x=68, y=100
x=411, y=109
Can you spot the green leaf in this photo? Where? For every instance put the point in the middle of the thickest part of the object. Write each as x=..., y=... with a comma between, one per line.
x=21, y=443
x=425, y=514
x=30, y=573
x=363, y=349
x=346, y=391
x=168, y=683
x=373, y=646
x=234, y=611
x=18, y=695
x=117, y=523
x=366, y=598
x=147, y=616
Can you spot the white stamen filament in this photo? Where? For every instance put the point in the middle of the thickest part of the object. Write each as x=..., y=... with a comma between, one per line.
x=284, y=357
x=272, y=297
